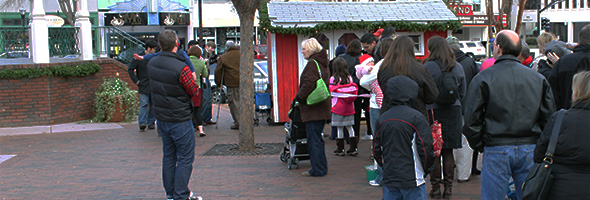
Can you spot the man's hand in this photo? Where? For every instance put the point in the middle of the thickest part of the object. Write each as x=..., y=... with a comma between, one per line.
x=137, y=57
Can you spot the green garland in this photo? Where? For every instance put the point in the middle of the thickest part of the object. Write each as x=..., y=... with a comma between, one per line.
x=264, y=22
x=64, y=71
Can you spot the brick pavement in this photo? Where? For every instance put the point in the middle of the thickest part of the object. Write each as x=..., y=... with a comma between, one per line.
x=126, y=164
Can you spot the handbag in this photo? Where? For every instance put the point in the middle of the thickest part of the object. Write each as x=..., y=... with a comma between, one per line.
x=436, y=129
x=539, y=180
x=320, y=93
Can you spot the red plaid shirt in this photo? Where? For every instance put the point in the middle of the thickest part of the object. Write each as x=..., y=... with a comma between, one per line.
x=187, y=81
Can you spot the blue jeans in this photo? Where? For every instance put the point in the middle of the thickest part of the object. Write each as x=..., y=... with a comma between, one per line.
x=499, y=164
x=206, y=102
x=315, y=148
x=394, y=193
x=145, y=115
x=178, y=145
x=374, y=113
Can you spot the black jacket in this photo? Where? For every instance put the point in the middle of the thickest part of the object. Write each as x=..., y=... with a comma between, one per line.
x=138, y=72
x=427, y=90
x=507, y=104
x=469, y=66
x=571, y=160
x=563, y=72
x=352, y=61
x=402, y=135
x=171, y=102
x=435, y=69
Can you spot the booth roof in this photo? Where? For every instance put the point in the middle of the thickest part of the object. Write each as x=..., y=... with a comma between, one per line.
x=289, y=14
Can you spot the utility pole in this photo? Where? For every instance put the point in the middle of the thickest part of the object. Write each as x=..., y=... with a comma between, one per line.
x=539, y=26
x=200, y=31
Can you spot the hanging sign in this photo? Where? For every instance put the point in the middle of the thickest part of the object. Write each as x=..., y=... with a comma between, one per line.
x=125, y=19
x=169, y=19
x=464, y=10
x=54, y=21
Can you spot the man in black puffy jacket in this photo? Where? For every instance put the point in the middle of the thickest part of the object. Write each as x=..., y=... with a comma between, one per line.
x=172, y=83
x=403, y=143
x=506, y=108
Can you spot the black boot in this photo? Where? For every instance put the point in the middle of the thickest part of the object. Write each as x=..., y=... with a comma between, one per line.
x=435, y=179
x=448, y=171
x=353, y=147
x=340, y=150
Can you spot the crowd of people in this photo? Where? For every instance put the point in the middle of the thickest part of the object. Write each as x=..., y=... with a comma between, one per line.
x=505, y=111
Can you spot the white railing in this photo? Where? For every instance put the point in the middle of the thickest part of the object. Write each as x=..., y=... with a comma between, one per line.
x=569, y=5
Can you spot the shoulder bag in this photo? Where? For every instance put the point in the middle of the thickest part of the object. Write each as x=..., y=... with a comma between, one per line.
x=436, y=130
x=539, y=180
x=320, y=93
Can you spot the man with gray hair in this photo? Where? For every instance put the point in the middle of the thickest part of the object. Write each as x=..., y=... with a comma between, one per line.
x=227, y=73
x=564, y=69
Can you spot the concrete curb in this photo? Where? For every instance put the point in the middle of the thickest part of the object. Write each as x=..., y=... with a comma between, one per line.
x=58, y=128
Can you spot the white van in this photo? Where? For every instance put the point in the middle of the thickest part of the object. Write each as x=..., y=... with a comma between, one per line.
x=474, y=49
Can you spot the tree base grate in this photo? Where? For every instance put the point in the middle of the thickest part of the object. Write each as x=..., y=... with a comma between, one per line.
x=232, y=150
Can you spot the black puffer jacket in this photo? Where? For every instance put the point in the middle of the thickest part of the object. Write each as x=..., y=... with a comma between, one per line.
x=402, y=135
x=469, y=66
x=571, y=161
x=507, y=104
x=171, y=102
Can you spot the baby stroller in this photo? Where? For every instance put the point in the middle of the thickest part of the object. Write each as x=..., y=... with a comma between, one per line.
x=262, y=103
x=295, y=148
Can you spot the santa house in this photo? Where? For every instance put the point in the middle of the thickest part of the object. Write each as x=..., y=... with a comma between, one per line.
x=335, y=23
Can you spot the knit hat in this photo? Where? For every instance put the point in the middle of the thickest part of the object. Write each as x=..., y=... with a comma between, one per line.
x=452, y=40
x=378, y=32
x=340, y=49
x=366, y=59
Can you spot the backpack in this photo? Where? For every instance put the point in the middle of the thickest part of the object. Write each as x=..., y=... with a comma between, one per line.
x=448, y=89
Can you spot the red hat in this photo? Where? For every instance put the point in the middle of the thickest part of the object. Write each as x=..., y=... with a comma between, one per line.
x=365, y=59
x=378, y=32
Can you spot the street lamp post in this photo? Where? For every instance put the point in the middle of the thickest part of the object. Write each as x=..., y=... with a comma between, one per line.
x=22, y=15
x=22, y=12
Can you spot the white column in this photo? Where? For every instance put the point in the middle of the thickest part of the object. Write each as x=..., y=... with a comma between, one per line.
x=85, y=32
x=39, y=34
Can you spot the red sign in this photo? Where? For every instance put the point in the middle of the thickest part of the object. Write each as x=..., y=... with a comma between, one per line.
x=464, y=10
x=503, y=19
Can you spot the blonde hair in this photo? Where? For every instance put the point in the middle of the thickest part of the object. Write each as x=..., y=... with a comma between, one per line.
x=581, y=86
x=543, y=39
x=312, y=45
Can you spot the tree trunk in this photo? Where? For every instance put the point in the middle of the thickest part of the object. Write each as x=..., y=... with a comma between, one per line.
x=519, y=17
x=68, y=7
x=246, y=11
x=490, y=13
x=499, y=26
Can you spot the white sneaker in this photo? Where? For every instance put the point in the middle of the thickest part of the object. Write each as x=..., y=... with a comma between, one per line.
x=374, y=183
x=192, y=197
x=367, y=137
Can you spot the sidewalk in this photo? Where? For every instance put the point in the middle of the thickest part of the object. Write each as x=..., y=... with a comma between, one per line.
x=115, y=161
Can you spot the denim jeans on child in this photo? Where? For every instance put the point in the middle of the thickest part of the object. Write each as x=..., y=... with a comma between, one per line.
x=395, y=193
x=178, y=145
x=499, y=164
x=145, y=115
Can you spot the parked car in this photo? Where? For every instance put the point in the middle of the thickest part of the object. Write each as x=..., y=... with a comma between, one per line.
x=474, y=49
x=260, y=51
x=15, y=54
x=260, y=81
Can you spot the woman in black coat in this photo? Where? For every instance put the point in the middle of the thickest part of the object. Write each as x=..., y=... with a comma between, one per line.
x=441, y=59
x=571, y=160
x=400, y=60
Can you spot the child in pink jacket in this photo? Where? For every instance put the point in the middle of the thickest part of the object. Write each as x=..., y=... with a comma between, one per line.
x=341, y=86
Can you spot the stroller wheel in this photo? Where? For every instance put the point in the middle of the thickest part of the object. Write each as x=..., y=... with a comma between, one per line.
x=289, y=162
x=283, y=157
x=269, y=121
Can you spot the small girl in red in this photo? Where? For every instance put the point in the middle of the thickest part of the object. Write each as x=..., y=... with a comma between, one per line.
x=341, y=86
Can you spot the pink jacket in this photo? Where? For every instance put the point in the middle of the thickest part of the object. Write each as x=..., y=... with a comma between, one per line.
x=343, y=106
